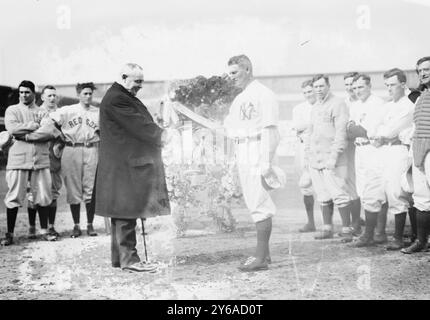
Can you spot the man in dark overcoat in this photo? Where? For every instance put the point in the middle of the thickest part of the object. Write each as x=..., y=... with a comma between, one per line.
x=130, y=181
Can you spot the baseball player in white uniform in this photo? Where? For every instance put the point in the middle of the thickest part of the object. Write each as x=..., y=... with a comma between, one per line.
x=252, y=122
x=79, y=124
x=350, y=100
x=301, y=123
x=387, y=161
x=326, y=158
x=366, y=104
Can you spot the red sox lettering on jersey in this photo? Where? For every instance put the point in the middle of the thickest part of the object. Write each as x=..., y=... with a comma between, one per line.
x=79, y=124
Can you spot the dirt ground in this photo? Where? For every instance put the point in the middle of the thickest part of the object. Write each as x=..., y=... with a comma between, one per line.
x=203, y=264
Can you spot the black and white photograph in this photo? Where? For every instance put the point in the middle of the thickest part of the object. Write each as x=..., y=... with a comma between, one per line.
x=229, y=150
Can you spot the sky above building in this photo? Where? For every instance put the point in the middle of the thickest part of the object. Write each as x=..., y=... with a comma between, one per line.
x=67, y=41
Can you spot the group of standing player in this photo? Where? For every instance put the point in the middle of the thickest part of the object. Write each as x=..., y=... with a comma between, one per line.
x=366, y=154
x=50, y=145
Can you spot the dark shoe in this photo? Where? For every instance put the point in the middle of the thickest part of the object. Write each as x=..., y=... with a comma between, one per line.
x=53, y=232
x=140, y=267
x=380, y=238
x=90, y=231
x=363, y=241
x=49, y=237
x=76, y=232
x=32, y=232
x=356, y=231
x=325, y=234
x=412, y=239
x=251, y=264
x=362, y=222
x=7, y=240
x=395, y=245
x=307, y=228
x=346, y=237
x=417, y=246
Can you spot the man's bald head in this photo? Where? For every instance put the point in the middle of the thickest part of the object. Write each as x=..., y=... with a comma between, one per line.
x=131, y=77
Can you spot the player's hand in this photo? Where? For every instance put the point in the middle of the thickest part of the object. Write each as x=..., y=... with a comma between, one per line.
x=57, y=149
x=32, y=125
x=377, y=142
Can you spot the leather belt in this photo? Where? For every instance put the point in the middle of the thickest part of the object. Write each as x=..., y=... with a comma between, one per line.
x=246, y=139
x=82, y=144
x=392, y=143
x=360, y=144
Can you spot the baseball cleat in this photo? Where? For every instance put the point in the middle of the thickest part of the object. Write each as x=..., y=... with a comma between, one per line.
x=252, y=264
x=8, y=240
x=53, y=232
x=32, y=232
x=76, y=232
x=49, y=237
x=307, y=228
x=90, y=231
x=363, y=241
x=140, y=267
x=417, y=246
x=395, y=245
x=380, y=238
x=325, y=234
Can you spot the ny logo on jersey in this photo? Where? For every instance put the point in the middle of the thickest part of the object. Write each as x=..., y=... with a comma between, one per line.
x=247, y=111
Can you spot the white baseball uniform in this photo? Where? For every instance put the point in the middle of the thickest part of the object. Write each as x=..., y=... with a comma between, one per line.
x=382, y=177
x=368, y=114
x=301, y=123
x=252, y=110
x=80, y=126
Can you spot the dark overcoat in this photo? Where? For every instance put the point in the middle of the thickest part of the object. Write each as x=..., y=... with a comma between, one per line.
x=130, y=180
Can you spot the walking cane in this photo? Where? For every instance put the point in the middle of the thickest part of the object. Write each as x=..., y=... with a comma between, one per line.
x=144, y=240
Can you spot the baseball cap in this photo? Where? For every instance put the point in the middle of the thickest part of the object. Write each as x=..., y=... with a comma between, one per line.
x=274, y=179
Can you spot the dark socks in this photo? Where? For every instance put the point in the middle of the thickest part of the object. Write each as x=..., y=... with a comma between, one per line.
x=76, y=212
x=345, y=215
x=371, y=221
x=382, y=220
x=32, y=216
x=412, y=212
x=327, y=212
x=399, y=220
x=264, y=230
x=11, y=219
x=52, y=212
x=422, y=228
x=309, y=205
x=90, y=212
x=355, y=212
x=43, y=217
